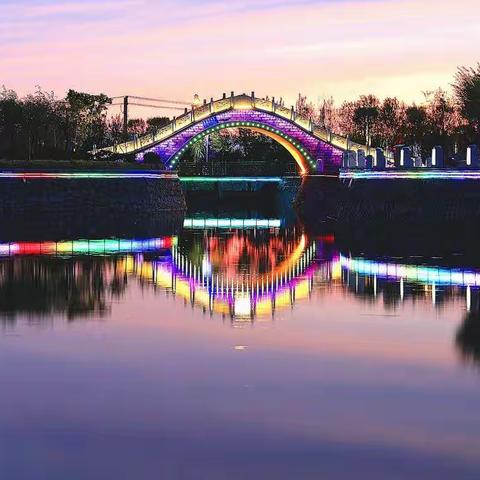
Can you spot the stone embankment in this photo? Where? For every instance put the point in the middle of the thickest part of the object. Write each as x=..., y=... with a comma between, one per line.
x=57, y=208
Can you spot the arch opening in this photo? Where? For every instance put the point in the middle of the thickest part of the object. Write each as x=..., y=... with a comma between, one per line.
x=301, y=156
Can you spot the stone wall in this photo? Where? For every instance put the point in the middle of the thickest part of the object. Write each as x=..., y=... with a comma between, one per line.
x=89, y=208
x=410, y=217
x=410, y=202
x=375, y=207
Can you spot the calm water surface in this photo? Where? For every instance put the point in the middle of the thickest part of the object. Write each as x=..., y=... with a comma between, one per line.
x=236, y=353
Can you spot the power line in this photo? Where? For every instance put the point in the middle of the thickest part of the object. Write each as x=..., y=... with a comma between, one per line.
x=162, y=100
x=149, y=99
x=164, y=107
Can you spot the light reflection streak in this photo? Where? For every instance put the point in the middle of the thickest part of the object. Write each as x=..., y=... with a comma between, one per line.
x=281, y=270
x=240, y=223
x=412, y=273
x=239, y=296
x=420, y=174
x=83, y=175
x=86, y=247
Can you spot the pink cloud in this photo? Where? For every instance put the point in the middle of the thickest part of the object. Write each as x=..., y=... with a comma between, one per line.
x=399, y=47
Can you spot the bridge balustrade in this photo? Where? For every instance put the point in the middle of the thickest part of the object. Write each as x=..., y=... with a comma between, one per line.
x=234, y=102
x=222, y=105
x=201, y=112
x=263, y=104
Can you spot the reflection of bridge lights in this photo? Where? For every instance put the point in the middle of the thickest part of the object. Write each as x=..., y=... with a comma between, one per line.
x=81, y=247
x=238, y=297
x=206, y=266
x=241, y=223
x=243, y=306
x=412, y=273
x=298, y=258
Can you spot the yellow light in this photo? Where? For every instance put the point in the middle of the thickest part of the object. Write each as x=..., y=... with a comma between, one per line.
x=301, y=290
x=294, y=152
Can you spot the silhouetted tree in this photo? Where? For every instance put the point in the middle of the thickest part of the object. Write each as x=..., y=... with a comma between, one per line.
x=11, y=118
x=86, y=120
x=391, y=117
x=114, y=130
x=467, y=94
x=155, y=123
x=415, y=127
x=365, y=115
x=467, y=338
x=136, y=126
x=303, y=107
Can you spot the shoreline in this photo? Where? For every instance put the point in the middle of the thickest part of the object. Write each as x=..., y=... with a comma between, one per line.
x=72, y=165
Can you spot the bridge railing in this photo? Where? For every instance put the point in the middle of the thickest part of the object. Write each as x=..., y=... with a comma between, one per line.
x=238, y=102
x=262, y=104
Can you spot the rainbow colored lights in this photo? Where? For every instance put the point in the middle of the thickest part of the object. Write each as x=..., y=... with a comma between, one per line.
x=412, y=273
x=299, y=135
x=86, y=247
x=241, y=223
x=83, y=175
x=239, y=295
x=421, y=174
x=246, y=124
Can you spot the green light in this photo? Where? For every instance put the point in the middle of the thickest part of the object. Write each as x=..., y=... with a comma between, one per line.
x=231, y=179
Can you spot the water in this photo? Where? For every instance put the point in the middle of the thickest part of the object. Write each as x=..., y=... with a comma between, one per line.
x=237, y=353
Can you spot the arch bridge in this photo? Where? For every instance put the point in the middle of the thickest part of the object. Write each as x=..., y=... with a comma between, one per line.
x=314, y=148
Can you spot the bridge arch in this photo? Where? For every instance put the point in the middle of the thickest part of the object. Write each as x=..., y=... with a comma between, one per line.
x=314, y=148
x=303, y=159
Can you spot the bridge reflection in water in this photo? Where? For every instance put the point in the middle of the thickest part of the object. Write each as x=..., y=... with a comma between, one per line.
x=409, y=281
x=241, y=274
x=234, y=276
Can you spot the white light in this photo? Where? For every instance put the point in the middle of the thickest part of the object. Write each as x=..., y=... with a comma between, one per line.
x=243, y=306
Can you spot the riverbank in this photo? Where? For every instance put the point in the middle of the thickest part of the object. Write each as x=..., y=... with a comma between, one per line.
x=74, y=165
x=379, y=209
x=94, y=203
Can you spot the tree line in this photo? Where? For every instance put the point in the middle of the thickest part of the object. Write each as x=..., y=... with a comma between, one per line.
x=43, y=126
x=449, y=120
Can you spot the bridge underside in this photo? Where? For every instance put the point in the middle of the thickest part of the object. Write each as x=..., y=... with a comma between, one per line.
x=311, y=153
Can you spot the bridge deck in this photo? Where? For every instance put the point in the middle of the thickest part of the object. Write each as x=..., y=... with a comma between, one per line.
x=239, y=102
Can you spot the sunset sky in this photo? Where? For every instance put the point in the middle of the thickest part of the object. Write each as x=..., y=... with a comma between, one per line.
x=175, y=48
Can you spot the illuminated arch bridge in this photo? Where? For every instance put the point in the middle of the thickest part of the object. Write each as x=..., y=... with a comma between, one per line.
x=241, y=296
x=314, y=148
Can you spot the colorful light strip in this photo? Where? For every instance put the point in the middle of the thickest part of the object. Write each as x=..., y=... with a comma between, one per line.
x=246, y=124
x=279, y=271
x=421, y=174
x=412, y=273
x=83, y=175
x=86, y=247
x=231, y=179
x=239, y=302
x=190, y=223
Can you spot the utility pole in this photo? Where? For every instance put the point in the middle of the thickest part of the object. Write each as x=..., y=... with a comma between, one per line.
x=125, y=118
